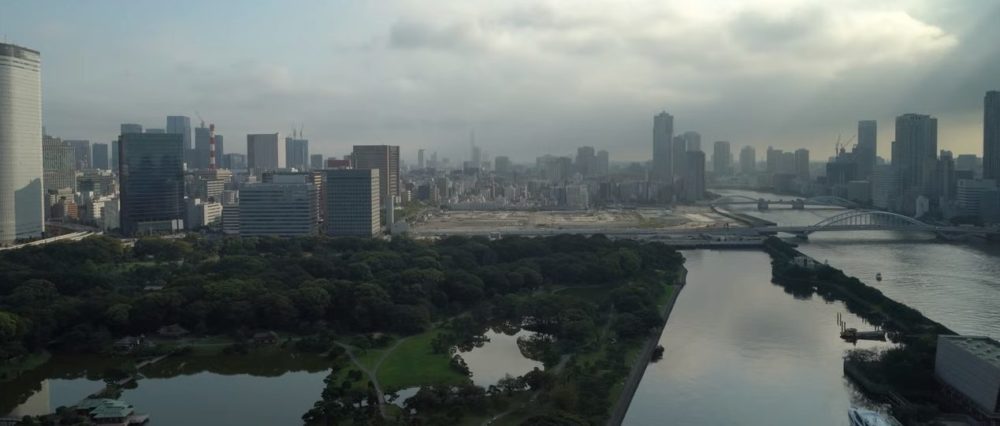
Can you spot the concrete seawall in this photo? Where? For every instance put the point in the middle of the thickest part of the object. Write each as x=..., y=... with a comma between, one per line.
x=645, y=356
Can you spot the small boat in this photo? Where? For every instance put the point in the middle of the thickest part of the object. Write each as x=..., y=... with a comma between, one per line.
x=862, y=417
x=878, y=276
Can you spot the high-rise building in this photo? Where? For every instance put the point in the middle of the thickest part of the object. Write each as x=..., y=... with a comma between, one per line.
x=100, y=156
x=180, y=125
x=21, y=188
x=131, y=128
x=420, y=159
x=867, y=148
x=114, y=156
x=916, y=139
x=220, y=149
x=663, y=137
x=585, y=160
x=151, y=182
x=81, y=149
x=156, y=131
x=693, y=141
x=385, y=158
x=316, y=161
x=748, y=160
x=297, y=153
x=946, y=185
x=278, y=209
x=773, y=160
x=58, y=163
x=353, y=202
x=722, y=158
x=802, y=163
x=202, y=148
x=694, y=176
x=265, y=152
x=969, y=194
x=677, y=156
x=991, y=135
x=603, y=163
x=885, y=186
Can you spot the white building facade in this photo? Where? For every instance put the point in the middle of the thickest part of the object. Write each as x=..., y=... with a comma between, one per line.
x=21, y=188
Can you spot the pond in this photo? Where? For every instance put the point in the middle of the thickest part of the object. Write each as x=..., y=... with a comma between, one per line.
x=497, y=357
x=270, y=388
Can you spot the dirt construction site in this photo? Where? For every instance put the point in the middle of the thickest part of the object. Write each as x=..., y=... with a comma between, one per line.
x=481, y=221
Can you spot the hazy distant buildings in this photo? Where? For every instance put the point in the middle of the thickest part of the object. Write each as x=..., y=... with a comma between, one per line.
x=265, y=152
x=916, y=140
x=385, y=158
x=692, y=141
x=773, y=160
x=21, y=189
x=156, y=131
x=501, y=165
x=885, y=186
x=603, y=163
x=353, y=205
x=81, y=150
x=678, y=157
x=586, y=160
x=131, y=128
x=722, y=158
x=991, y=135
x=200, y=158
x=663, y=136
x=151, y=182
x=420, y=159
x=867, y=148
x=316, y=161
x=181, y=125
x=748, y=160
x=969, y=195
x=234, y=161
x=58, y=164
x=297, y=153
x=100, y=156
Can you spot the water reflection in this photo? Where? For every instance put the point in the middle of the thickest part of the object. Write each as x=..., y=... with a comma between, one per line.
x=739, y=350
x=265, y=388
x=499, y=356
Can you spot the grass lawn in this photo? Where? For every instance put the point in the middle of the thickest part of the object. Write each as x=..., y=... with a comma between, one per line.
x=414, y=363
x=368, y=357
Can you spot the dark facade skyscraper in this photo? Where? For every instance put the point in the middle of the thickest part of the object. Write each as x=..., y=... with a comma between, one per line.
x=694, y=176
x=677, y=157
x=663, y=136
x=202, y=140
x=802, y=163
x=916, y=145
x=748, y=160
x=151, y=182
x=585, y=160
x=352, y=198
x=722, y=158
x=82, y=153
x=867, y=148
x=100, y=156
x=991, y=135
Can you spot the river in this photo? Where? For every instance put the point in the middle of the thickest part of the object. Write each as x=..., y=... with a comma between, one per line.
x=738, y=350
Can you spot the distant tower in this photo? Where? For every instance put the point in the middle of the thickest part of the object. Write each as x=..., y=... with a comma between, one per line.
x=991, y=135
x=663, y=135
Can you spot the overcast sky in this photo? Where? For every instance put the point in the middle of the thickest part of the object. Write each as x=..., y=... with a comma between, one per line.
x=529, y=77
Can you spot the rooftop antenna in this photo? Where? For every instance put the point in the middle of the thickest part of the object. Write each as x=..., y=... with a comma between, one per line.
x=200, y=119
x=302, y=127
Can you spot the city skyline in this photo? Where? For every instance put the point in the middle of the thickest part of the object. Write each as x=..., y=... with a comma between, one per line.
x=424, y=97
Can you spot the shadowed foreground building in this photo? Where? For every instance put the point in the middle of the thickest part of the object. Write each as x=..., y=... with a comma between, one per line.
x=353, y=203
x=281, y=208
x=151, y=182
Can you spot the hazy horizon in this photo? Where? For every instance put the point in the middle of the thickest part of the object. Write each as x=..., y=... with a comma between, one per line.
x=530, y=78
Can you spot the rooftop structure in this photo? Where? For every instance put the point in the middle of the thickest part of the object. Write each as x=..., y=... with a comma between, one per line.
x=970, y=365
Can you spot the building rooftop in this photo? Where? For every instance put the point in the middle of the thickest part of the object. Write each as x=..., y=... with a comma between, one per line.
x=982, y=347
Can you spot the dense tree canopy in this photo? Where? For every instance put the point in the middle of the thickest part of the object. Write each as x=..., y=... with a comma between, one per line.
x=75, y=296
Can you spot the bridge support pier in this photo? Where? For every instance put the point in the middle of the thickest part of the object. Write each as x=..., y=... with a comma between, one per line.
x=762, y=204
x=802, y=236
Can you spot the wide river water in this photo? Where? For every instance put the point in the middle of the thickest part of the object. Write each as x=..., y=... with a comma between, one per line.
x=738, y=350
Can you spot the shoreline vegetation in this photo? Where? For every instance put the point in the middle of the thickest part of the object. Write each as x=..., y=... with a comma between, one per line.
x=903, y=375
x=380, y=316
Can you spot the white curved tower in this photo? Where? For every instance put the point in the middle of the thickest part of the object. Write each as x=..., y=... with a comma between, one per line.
x=21, y=203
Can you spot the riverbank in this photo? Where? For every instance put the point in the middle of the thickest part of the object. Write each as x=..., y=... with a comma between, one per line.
x=645, y=355
x=902, y=376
